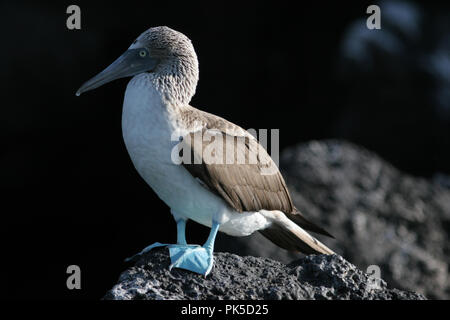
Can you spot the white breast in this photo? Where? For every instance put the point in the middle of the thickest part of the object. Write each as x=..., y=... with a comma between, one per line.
x=148, y=127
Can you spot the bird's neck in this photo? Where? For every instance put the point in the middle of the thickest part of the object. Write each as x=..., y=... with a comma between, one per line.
x=160, y=95
x=176, y=82
x=157, y=99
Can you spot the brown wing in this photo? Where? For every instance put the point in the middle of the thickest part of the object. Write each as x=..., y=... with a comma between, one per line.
x=238, y=169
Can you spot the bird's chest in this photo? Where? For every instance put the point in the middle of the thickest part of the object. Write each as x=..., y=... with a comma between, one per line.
x=151, y=134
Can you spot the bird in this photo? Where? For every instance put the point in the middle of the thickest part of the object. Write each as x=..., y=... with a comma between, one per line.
x=159, y=127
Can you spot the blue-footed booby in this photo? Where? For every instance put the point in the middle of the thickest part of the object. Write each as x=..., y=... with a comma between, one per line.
x=234, y=197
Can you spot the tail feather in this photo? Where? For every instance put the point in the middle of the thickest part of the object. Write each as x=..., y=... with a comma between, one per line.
x=288, y=235
x=299, y=219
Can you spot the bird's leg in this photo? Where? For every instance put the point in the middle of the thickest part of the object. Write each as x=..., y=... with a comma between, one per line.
x=181, y=236
x=181, y=232
x=209, y=244
x=195, y=258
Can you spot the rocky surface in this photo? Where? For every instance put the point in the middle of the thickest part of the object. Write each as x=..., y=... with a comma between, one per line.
x=236, y=277
x=378, y=215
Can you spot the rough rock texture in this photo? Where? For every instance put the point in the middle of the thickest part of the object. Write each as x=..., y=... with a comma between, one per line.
x=378, y=215
x=236, y=277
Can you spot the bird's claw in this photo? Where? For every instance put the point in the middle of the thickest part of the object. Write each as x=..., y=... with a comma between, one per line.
x=145, y=250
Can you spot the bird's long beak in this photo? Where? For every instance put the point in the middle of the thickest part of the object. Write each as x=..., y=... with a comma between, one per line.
x=128, y=64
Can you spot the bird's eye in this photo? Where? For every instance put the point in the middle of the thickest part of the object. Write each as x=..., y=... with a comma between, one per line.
x=142, y=53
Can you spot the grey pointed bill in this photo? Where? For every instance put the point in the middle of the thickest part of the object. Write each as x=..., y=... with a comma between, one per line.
x=131, y=63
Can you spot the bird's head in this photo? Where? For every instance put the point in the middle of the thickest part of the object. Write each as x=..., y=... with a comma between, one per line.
x=161, y=51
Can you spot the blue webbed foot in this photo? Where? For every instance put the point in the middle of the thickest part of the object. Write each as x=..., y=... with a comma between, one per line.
x=193, y=258
x=189, y=257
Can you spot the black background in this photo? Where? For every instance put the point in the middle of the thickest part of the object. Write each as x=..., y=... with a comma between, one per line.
x=69, y=192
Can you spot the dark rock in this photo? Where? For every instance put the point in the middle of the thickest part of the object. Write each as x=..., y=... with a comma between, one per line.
x=378, y=215
x=236, y=277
